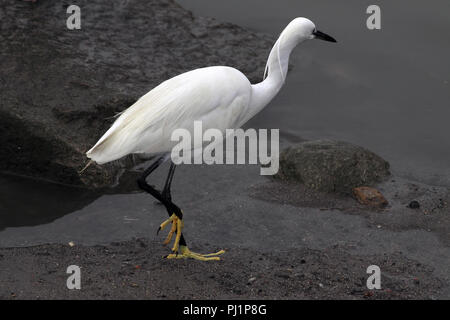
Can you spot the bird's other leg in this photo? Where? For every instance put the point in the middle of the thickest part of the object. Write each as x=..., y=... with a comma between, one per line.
x=175, y=213
x=142, y=183
x=166, y=194
x=166, y=191
x=180, y=248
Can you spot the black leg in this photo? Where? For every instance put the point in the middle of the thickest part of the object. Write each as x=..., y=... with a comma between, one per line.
x=142, y=183
x=166, y=191
x=170, y=206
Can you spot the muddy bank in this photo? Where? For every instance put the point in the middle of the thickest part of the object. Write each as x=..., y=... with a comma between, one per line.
x=60, y=88
x=135, y=270
x=432, y=213
x=295, y=242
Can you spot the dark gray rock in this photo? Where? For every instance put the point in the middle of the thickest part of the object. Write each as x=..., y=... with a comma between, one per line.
x=332, y=166
x=60, y=88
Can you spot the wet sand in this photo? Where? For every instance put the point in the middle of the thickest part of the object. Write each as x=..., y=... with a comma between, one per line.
x=296, y=243
x=134, y=270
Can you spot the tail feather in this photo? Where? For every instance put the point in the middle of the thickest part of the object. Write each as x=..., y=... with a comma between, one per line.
x=86, y=166
x=115, y=145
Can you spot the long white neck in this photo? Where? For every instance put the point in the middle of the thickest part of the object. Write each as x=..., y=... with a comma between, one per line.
x=276, y=71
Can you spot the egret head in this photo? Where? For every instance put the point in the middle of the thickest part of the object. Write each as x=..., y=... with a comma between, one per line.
x=297, y=31
x=306, y=30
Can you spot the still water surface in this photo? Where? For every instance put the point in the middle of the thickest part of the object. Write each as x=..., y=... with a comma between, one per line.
x=387, y=90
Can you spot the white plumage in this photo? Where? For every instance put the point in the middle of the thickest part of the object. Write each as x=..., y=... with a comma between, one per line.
x=147, y=125
x=221, y=97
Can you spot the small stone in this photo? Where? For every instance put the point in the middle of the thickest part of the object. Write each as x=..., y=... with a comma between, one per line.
x=252, y=279
x=414, y=204
x=71, y=244
x=370, y=196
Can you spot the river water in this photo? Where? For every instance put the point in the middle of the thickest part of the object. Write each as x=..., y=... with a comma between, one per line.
x=387, y=90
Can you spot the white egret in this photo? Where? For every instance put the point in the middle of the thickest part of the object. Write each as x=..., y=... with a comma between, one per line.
x=221, y=97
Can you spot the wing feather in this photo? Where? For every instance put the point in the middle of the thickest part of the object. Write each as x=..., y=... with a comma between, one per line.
x=146, y=126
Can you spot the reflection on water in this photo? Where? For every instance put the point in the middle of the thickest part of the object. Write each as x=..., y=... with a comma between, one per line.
x=26, y=202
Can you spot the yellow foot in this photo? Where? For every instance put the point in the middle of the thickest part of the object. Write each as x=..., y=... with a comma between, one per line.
x=177, y=226
x=185, y=253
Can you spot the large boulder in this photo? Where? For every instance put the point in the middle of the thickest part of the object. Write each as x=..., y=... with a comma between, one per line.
x=60, y=88
x=332, y=166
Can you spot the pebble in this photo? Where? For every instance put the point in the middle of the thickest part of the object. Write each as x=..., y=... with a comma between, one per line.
x=414, y=204
x=370, y=196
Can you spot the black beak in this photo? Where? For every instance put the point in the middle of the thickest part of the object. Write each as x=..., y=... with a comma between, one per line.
x=323, y=36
